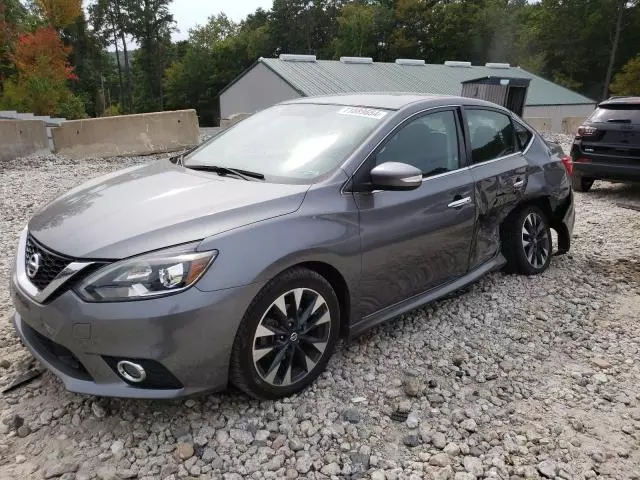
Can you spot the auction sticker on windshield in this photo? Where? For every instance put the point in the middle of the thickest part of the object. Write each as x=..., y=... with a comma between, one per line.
x=363, y=112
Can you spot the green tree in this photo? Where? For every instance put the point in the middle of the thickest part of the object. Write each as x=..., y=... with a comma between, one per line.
x=356, y=30
x=627, y=82
x=150, y=24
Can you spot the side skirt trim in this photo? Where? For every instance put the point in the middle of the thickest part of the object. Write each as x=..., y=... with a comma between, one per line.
x=421, y=299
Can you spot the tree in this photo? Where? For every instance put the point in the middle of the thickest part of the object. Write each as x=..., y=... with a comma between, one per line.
x=627, y=82
x=40, y=85
x=60, y=13
x=151, y=24
x=356, y=30
x=622, y=7
x=92, y=65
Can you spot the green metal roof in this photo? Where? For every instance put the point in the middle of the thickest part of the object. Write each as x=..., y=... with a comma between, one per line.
x=325, y=77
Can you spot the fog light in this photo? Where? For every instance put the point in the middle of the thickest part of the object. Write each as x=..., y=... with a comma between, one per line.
x=132, y=372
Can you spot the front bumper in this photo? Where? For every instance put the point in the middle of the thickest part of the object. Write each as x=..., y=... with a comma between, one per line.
x=190, y=334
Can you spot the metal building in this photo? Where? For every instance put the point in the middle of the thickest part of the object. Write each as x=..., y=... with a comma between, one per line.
x=272, y=80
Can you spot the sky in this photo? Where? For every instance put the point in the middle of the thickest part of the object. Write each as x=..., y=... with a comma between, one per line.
x=189, y=13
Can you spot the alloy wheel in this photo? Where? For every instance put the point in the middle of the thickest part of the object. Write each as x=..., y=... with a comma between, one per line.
x=535, y=240
x=291, y=337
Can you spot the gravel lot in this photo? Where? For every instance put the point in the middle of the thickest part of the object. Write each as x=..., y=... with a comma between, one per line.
x=515, y=378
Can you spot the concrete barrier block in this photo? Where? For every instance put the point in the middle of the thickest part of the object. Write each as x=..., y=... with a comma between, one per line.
x=570, y=124
x=142, y=134
x=540, y=123
x=22, y=137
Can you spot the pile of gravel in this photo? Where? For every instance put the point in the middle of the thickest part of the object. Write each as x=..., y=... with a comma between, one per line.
x=516, y=378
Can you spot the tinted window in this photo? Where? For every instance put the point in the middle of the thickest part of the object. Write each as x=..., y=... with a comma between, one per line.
x=617, y=114
x=523, y=134
x=492, y=135
x=290, y=143
x=429, y=143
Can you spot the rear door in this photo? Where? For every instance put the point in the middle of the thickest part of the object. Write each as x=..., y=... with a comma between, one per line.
x=413, y=241
x=499, y=169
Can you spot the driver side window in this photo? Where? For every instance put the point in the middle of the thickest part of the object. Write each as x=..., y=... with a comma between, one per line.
x=429, y=143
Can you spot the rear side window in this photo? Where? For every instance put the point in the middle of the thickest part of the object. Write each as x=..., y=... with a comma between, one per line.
x=492, y=135
x=523, y=134
x=617, y=114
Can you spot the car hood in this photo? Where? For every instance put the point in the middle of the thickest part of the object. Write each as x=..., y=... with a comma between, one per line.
x=156, y=205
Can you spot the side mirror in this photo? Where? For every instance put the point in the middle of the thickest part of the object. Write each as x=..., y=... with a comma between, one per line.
x=395, y=176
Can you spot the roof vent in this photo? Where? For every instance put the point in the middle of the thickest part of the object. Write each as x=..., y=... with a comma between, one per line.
x=290, y=57
x=450, y=63
x=409, y=61
x=498, y=65
x=356, y=59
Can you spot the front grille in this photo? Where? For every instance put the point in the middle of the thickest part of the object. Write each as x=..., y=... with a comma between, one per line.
x=51, y=264
x=60, y=357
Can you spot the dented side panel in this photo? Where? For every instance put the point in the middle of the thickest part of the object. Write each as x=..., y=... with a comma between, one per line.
x=500, y=186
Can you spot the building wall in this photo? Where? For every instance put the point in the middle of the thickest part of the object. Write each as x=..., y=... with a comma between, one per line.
x=258, y=89
x=557, y=112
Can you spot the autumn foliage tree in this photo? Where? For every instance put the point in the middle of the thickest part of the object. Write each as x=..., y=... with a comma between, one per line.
x=41, y=62
x=60, y=13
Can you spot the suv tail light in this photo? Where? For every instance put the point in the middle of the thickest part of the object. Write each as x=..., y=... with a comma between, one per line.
x=567, y=161
x=586, y=131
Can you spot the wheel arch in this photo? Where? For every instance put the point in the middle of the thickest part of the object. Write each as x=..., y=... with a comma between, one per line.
x=339, y=284
x=554, y=216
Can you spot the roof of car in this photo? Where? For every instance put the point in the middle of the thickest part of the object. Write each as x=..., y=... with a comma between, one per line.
x=621, y=101
x=390, y=101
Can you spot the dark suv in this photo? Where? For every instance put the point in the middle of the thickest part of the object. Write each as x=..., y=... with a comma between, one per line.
x=607, y=146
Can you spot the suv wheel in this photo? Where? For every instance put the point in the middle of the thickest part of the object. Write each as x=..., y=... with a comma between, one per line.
x=581, y=184
x=287, y=335
x=527, y=243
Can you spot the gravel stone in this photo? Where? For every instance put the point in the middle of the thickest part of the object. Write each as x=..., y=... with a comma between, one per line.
x=184, y=451
x=440, y=460
x=59, y=469
x=378, y=475
x=548, y=469
x=304, y=464
x=351, y=415
x=473, y=465
x=411, y=440
x=438, y=440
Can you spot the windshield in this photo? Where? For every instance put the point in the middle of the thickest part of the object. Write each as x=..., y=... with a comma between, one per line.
x=622, y=113
x=294, y=143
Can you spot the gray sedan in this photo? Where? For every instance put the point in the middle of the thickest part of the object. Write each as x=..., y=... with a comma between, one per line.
x=246, y=259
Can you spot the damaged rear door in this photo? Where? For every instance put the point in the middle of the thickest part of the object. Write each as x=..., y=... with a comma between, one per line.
x=500, y=171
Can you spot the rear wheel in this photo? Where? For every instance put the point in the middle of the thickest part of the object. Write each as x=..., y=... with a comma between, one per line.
x=287, y=335
x=581, y=184
x=527, y=243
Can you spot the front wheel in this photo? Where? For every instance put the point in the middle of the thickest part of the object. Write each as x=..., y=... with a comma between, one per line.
x=527, y=243
x=581, y=184
x=286, y=336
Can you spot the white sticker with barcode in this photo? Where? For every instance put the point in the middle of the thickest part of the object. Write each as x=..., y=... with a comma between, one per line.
x=363, y=112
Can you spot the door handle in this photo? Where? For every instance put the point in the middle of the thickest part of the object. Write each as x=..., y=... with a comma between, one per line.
x=519, y=184
x=460, y=203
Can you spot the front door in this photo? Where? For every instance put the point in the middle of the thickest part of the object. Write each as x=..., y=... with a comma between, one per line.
x=415, y=240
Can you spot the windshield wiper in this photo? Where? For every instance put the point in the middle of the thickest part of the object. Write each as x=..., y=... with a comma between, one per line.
x=222, y=171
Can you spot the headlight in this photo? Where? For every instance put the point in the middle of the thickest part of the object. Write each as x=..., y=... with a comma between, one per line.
x=148, y=276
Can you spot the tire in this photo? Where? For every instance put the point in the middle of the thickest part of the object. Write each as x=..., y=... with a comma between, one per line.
x=269, y=336
x=523, y=255
x=581, y=184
